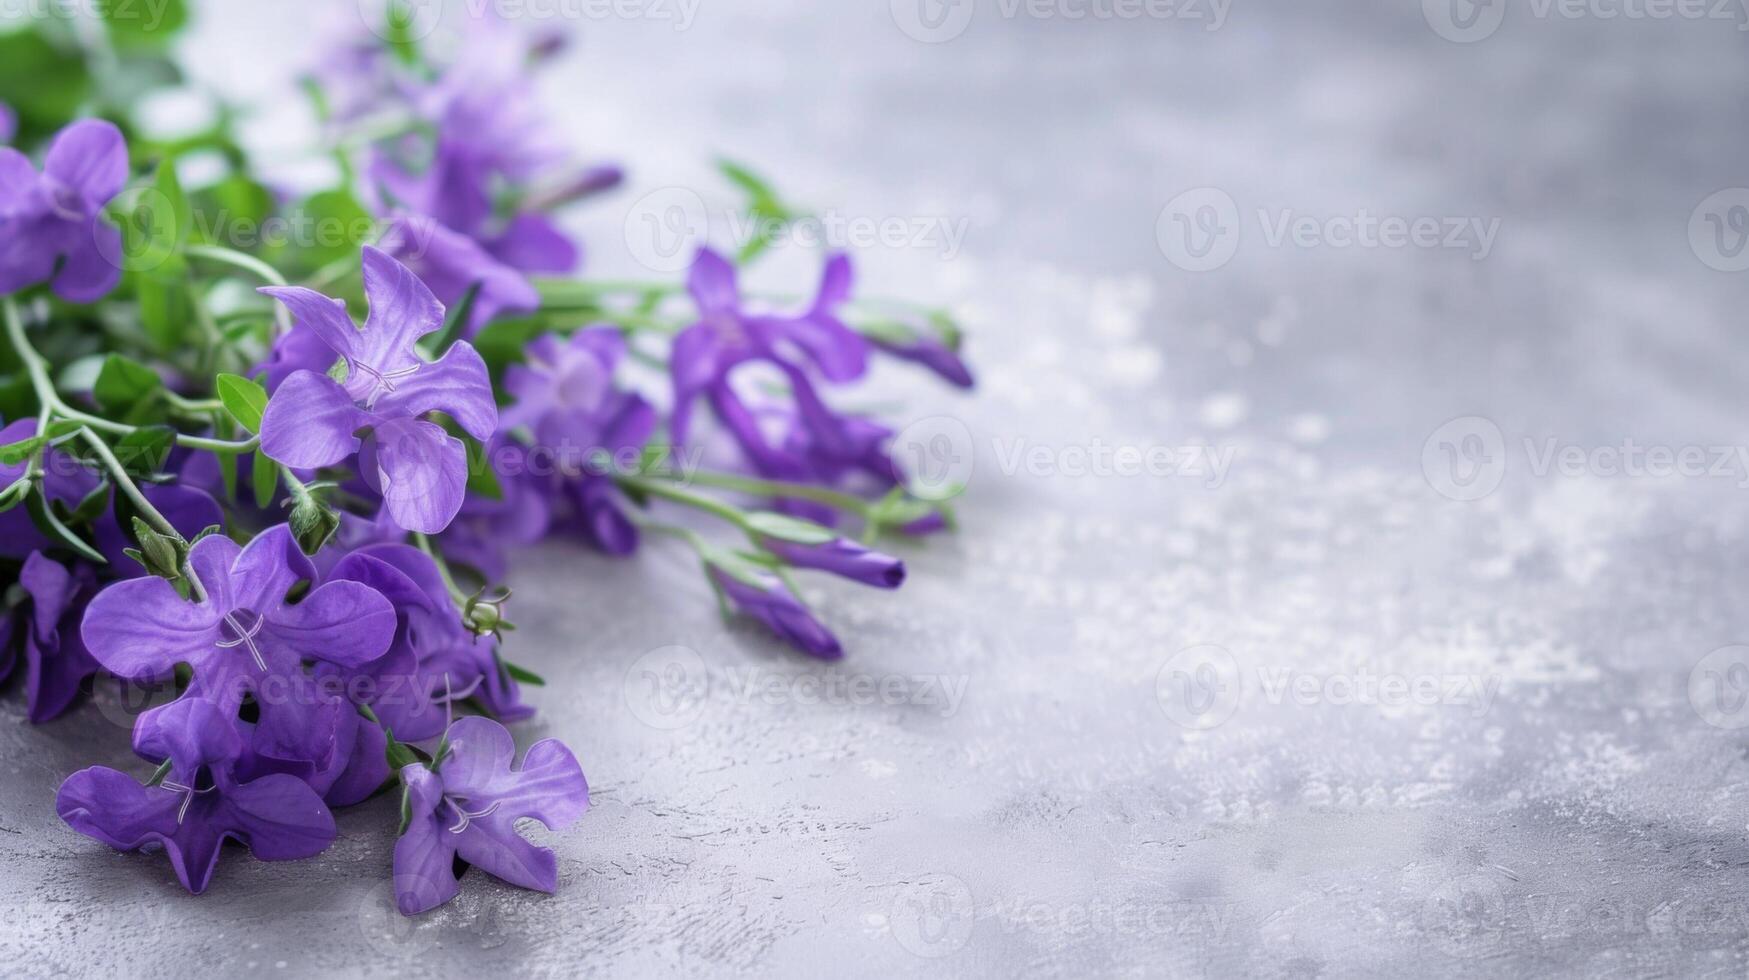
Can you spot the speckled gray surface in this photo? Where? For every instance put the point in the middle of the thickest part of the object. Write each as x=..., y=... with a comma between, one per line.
x=1137, y=724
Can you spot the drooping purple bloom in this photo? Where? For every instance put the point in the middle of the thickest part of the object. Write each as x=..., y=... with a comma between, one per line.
x=726, y=337
x=52, y=225
x=583, y=425
x=8, y=123
x=469, y=807
x=767, y=599
x=200, y=802
x=357, y=767
x=56, y=662
x=841, y=557
x=312, y=421
x=931, y=352
x=452, y=263
x=245, y=637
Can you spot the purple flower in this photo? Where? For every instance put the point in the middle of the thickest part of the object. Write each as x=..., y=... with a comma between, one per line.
x=840, y=557
x=931, y=352
x=200, y=801
x=355, y=770
x=452, y=263
x=767, y=599
x=433, y=660
x=312, y=421
x=726, y=337
x=566, y=399
x=485, y=529
x=51, y=225
x=55, y=659
x=8, y=123
x=469, y=807
x=245, y=636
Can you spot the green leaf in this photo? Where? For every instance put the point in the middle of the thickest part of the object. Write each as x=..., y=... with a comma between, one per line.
x=44, y=517
x=456, y=322
x=244, y=399
x=123, y=382
x=338, y=225
x=143, y=23
x=165, y=309
x=786, y=528
x=45, y=83
x=481, y=479
x=142, y=452
x=523, y=674
x=264, y=477
x=14, y=453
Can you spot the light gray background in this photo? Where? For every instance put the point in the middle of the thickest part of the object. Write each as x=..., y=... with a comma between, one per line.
x=1582, y=817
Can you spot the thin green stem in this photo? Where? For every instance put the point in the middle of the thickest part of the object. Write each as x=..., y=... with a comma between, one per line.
x=674, y=494
x=51, y=405
x=251, y=264
x=424, y=543
x=771, y=488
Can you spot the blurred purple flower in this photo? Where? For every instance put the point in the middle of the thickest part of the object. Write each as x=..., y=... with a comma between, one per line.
x=51, y=225
x=312, y=421
x=767, y=599
x=200, y=801
x=56, y=662
x=726, y=337
x=469, y=808
x=566, y=399
x=841, y=557
x=452, y=263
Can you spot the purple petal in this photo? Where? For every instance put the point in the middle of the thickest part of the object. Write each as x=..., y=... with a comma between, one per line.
x=90, y=270
x=310, y=422
x=366, y=769
x=423, y=473
x=17, y=177
x=322, y=317
x=712, y=282
x=113, y=808
x=549, y=787
x=607, y=525
x=266, y=570
x=90, y=157
x=532, y=243
x=191, y=732
x=835, y=283
x=692, y=364
x=425, y=854
x=843, y=558
x=140, y=629
x=456, y=384
x=343, y=623
x=402, y=310
x=279, y=817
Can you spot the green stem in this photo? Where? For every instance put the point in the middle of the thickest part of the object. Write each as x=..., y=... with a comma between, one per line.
x=670, y=492
x=848, y=503
x=51, y=404
x=126, y=484
x=424, y=543
x=251, y=264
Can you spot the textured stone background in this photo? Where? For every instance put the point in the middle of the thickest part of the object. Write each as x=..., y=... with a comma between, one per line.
x=1093, y=801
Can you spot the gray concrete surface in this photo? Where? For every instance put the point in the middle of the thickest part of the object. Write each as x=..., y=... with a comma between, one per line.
x=1119, y=725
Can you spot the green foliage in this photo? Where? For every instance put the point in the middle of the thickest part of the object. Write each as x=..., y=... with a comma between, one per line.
x=244, y=399
x=143, y=23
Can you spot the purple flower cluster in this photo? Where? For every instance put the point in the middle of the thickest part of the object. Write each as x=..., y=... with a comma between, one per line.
x=320, y=658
